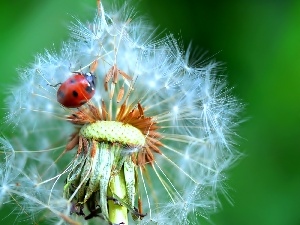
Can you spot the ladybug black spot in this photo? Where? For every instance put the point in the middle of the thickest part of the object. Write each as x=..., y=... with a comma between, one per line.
x=72, y=81
x=60, y=94
x=75, y=94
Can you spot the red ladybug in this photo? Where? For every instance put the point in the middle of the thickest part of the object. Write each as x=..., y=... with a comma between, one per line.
x=78, y=89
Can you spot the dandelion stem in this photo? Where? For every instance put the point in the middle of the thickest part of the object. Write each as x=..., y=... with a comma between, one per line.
x=117, y=212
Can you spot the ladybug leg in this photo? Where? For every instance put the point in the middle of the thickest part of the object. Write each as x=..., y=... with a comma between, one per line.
x=94, y=213
x=54, y=85
x=138, y=214
x=116, y=201
x=77, y=72
x=135, y=211
x=77, y=209
x=97, y=213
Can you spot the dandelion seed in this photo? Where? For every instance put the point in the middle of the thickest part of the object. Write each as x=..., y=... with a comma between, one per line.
x=149, y=145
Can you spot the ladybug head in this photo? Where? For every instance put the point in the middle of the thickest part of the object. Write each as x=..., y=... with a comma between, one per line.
x=91, y=78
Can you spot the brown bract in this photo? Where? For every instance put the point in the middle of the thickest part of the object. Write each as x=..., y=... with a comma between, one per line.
x=132, y=115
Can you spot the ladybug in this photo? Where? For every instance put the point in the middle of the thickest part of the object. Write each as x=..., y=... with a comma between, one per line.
x=77, y=89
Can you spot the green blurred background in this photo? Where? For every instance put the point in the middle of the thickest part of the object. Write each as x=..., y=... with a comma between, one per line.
x=260, y=43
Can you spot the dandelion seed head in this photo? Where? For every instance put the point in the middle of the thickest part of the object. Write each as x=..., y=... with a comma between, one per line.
x=160, y=120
